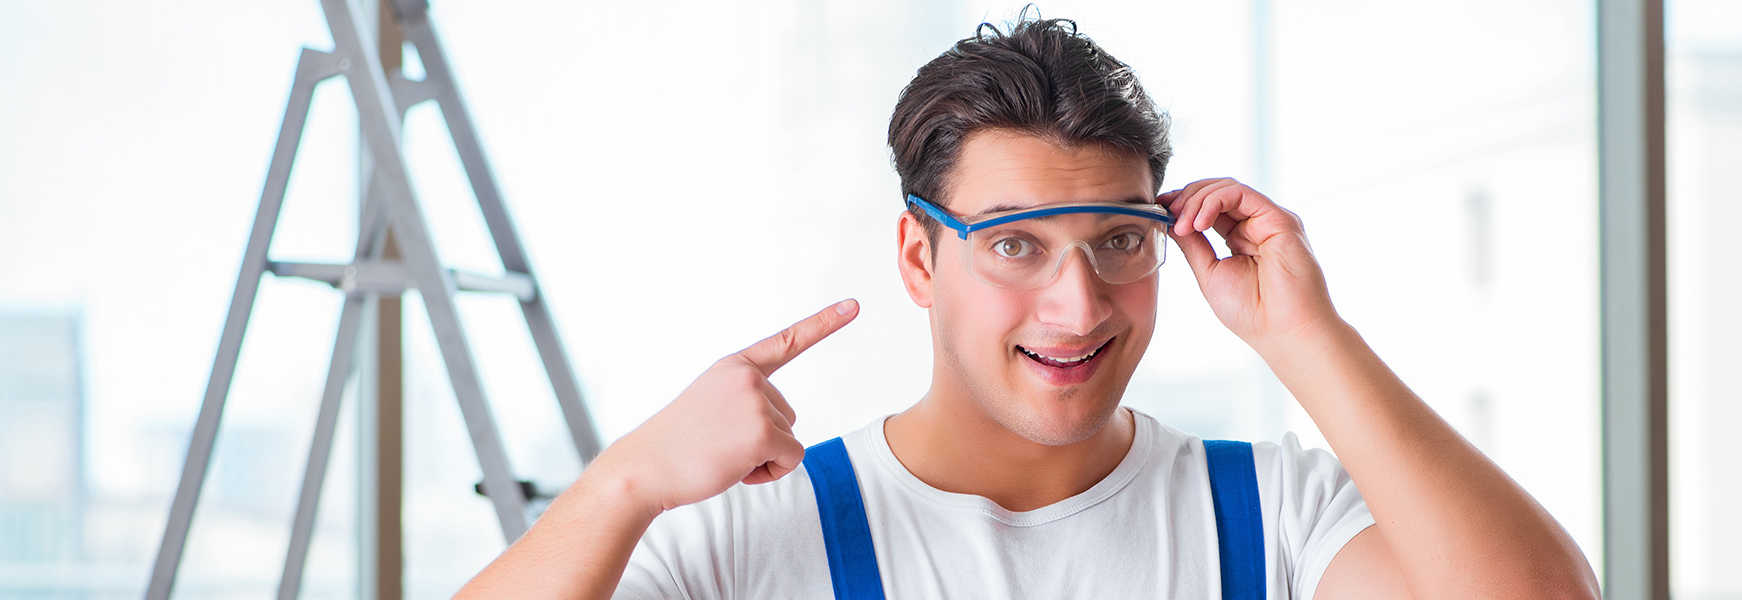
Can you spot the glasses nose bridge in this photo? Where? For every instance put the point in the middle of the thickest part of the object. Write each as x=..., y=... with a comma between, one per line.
x=1064, y=254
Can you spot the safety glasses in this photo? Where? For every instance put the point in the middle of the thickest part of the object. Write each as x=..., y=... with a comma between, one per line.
x=1024, y=249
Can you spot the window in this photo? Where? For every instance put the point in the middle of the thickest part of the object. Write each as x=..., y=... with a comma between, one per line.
x=1442, y=156
x=1704, y=95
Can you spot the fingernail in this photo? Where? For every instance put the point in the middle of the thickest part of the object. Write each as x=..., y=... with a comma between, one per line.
x=846, y=306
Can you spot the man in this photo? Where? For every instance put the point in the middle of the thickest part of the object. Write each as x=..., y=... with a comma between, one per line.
x=1031, y=163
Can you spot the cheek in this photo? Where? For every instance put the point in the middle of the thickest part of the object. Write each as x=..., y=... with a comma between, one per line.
x=979, y=318
x=1137, y=304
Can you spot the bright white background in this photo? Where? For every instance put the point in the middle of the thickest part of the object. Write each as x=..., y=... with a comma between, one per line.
x=690, y=177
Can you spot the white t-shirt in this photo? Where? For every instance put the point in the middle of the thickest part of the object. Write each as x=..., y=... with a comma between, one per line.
x=1146, y=531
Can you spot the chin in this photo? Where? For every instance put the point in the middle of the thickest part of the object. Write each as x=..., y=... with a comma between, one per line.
x=1043, y=412
x=1059, y=419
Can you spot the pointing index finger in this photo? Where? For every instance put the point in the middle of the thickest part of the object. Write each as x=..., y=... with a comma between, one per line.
x=776, y=350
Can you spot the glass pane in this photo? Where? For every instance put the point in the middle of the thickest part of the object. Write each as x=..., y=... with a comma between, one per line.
x=1705, y=146
x=1448, y=188
x=133, y=143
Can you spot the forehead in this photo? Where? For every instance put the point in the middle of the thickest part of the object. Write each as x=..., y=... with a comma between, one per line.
x=1002, y=170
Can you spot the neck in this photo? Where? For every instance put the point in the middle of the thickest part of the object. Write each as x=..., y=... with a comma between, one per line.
x=953, y=446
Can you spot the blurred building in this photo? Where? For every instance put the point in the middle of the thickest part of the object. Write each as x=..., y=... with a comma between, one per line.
x=43, y=490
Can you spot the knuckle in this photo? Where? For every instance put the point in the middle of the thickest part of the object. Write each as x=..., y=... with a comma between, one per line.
x=786, y=341
x=746, y=379
x=767, y=435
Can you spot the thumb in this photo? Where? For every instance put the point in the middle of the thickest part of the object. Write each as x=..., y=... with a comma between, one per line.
x=1198, y=252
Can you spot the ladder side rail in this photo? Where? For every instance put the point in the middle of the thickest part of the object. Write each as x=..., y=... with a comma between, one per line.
x=413, y=18
x=313, y=67
x=376, y=111
x=321, y=448
x=326, y=421
x=562, y=378
x=439, y=84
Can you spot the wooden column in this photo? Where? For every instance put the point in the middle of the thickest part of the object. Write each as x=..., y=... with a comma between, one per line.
x=380, y=519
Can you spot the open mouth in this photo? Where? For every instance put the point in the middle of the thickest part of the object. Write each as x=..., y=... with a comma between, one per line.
x=1065, y=362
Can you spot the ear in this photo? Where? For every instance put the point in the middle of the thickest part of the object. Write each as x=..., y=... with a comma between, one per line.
x=914, y=259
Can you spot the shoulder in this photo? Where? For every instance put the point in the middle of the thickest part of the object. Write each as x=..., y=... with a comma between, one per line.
x=1286, y=472
x=1307, y=483
x=1287, y=459
x=1315, y=506
x=1309, y=505
x=727, y=546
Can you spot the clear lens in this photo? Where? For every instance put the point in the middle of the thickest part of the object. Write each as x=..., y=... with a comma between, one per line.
x=1027, y=254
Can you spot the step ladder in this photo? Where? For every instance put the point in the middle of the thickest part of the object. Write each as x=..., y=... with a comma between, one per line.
x=388, y=204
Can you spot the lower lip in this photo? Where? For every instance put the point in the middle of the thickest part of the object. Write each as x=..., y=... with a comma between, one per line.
x=1066, y=376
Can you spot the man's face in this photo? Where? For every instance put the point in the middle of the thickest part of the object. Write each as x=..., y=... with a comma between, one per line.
x=1007, y=351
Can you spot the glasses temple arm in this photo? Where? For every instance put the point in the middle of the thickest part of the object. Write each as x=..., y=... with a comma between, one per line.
x=940, y=216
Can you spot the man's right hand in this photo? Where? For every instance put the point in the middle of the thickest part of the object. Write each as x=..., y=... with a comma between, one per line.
x=730, y=425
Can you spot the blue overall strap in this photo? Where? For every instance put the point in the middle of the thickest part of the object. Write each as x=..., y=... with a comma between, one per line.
x=1239, y=519
x=846, y=533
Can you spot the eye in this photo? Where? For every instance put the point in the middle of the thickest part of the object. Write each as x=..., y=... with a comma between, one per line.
x=1124, y=242
x=1012, y=248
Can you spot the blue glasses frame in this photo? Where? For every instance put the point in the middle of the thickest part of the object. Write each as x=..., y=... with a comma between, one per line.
x=963, y=228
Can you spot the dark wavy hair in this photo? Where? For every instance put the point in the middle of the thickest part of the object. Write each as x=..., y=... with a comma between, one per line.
x=1042, y=78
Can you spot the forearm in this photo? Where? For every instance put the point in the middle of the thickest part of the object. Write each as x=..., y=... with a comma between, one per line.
x=577, y=549
x=1458, y=526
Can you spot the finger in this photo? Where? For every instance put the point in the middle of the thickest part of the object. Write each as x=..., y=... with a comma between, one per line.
x=779, y=401
x=1225, y=225
x=1168, y=200
x=789, y=455
x=1248, y=220
x=1216, y=202
x=758, y=475
x=1188, y=191
x=779, y=420
x=1194, y=205
x=1237, y=235
x=1242, y=203
x=775, y=351
x=1194, y=187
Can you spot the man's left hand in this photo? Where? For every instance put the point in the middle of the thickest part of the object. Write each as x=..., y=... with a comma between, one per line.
x=1270, y=286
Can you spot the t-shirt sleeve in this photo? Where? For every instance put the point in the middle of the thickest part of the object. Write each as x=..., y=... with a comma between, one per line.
x=683, y=555
x=1316, y=510
x=753, y=541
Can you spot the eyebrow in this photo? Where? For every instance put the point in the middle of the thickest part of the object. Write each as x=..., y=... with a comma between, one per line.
x=998, y=208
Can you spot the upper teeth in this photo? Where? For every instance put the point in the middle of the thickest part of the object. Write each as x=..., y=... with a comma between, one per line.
x=1068, y=360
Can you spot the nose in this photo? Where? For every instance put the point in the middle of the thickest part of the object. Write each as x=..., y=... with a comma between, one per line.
x=1076, y=300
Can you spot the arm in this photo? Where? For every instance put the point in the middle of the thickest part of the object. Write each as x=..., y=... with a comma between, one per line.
x=730, y=425
x=578, y=549
x=1450, y=523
